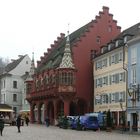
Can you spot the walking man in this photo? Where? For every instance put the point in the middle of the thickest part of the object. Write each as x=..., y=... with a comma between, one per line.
x=27, y=120
x=1, y=125
x=18, y=123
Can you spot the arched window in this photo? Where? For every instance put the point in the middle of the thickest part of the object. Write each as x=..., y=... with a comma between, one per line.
x=63, y=77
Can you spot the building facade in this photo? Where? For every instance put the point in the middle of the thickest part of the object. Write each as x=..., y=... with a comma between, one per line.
x=133, y=108
x=110, y=81
x=62, y=84
x=12, y=83
x=112, y=77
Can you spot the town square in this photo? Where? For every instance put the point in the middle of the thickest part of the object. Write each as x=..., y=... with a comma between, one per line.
x=41, y=132
x=85, y=83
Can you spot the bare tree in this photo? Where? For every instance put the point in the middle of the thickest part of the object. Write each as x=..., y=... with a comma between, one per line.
x=3, y=62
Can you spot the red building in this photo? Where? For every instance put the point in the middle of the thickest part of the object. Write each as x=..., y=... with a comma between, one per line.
x=62, y=83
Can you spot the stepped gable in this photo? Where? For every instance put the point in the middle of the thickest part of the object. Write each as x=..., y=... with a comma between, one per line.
x=54, y=56
x=48, y=54
x=13, y=64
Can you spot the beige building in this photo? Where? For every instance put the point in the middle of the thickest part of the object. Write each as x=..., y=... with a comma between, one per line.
x=110, y=79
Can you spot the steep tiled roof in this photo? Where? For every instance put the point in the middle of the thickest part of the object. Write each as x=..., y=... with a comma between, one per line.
x=1, y=70
x=13, y=64
x=133, y=30
x=55, y=56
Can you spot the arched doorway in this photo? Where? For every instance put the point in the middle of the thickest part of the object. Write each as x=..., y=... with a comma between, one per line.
x=73, y=110
x=78, y=107
x=60, y=108
x=50, y=112
x=81, y=107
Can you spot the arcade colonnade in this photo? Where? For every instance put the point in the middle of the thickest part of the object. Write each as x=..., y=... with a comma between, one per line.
x=55, y=108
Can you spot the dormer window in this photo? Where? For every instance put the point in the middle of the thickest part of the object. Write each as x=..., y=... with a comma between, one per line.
x=117, y=43
x=109, y=47
x=102, y=50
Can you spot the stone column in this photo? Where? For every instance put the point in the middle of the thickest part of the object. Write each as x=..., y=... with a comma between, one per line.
x=139, y=122
x=55, y=112
x=118, y=116
x=46, y=109
x=38, y=114
x=66, y=107
x=131, y=121
x=31, y=114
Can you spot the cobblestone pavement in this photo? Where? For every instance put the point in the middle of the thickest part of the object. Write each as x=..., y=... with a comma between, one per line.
x=40, y=132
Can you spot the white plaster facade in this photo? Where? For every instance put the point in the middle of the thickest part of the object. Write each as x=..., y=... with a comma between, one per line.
x=12, y=84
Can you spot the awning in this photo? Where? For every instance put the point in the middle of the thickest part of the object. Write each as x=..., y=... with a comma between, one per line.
x=24, y=110
x=6, y=110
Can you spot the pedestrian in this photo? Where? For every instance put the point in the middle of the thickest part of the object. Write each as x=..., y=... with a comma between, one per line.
x=47, y=121
x=18, y=123
x=1, y=125
x=27, y=120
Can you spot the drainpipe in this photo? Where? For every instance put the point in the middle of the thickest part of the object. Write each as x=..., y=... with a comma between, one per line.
x=126, y=71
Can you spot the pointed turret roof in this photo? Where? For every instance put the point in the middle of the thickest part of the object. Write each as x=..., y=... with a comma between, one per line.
x=67, y=61
x=32, y=70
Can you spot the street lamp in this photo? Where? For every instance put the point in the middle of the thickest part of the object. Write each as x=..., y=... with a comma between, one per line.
x=123, y=115
x=134, y=92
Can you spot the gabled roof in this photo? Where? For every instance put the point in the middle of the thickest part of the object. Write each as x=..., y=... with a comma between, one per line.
x=1, y=70
x=14, y=64
x=133, y=31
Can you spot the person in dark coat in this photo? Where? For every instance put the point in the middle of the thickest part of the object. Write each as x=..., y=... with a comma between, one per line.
x=18, y=123
x=1, y=125
x=47, y=121
x=27, y=120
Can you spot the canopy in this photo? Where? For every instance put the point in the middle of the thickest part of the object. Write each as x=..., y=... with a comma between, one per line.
x=24, y=110
x=6, y=110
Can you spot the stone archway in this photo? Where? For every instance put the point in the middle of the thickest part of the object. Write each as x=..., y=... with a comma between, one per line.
x=78, y=107
x=81, y=106
x=60, y=108
x=50, y=111
x=73, y=109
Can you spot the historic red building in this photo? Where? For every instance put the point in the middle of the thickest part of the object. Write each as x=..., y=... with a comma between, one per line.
x=62, y=83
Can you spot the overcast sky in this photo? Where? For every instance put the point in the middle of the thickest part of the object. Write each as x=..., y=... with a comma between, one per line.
x=28, y=26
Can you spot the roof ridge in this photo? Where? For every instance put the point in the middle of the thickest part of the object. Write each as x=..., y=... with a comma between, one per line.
x=13, y=64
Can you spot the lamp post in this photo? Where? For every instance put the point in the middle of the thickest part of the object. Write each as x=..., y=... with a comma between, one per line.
x=123, y=115
x=134, y=93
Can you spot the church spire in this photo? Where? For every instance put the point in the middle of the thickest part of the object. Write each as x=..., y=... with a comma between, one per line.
x=67, y=61
x=32, y=69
